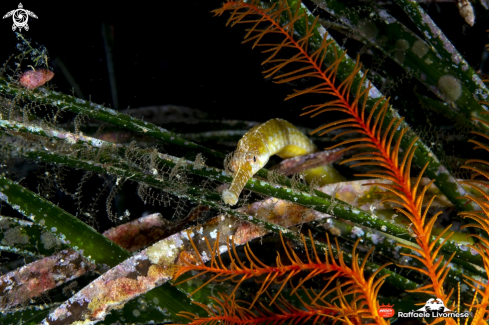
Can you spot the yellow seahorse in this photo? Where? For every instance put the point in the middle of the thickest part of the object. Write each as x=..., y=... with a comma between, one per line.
x=274, y=137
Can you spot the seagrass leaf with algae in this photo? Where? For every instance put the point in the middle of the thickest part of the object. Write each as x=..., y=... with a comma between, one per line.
x=89, y=109
x=55, y=270
x=144, y=312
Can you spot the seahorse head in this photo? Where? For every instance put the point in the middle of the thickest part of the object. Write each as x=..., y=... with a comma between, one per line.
x=250, y=156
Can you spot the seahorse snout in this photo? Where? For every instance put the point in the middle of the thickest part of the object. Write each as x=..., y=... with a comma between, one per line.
x=243, y=174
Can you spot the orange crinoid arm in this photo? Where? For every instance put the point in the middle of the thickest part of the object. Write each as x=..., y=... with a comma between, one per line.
x=383, y=141
x=364, y=291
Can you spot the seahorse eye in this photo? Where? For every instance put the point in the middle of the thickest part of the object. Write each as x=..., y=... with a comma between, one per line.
x=254, y=158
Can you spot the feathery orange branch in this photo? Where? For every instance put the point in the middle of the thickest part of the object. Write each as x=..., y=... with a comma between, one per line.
x=239, y=272
x=364, y=291
x=228, y=311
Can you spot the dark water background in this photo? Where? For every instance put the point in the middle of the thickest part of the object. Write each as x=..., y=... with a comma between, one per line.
x=174, y=52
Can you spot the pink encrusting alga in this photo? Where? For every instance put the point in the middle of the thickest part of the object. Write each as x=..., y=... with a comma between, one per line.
x=138, y=233
x=35, y=78
x=33, y=279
